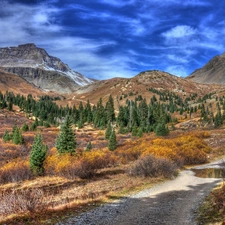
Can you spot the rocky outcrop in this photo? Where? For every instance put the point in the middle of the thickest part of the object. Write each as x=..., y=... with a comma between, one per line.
x=212, y=72
x=37, y=67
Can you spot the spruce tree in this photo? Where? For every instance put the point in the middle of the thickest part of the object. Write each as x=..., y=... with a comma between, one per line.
x=66, y=142
x=140, y=132
x=33, y=126
x=6, y=136
x=38, y=155
x=161, y=129
x=110, y=114
x=25, y=127
x=112, y=141
x=17, y=137
x=108, y=131
x=134, y=130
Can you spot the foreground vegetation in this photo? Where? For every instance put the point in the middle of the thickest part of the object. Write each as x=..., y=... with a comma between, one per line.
x=213, y=209
x=90, y=177
x=53, y=171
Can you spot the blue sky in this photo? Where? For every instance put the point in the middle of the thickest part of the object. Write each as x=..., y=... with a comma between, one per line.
x=118, y=38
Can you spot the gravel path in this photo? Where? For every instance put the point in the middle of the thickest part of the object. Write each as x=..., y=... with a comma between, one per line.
x=173, y=202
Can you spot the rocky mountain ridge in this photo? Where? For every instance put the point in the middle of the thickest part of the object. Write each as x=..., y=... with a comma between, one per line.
x=212, y=72
x=38, y=67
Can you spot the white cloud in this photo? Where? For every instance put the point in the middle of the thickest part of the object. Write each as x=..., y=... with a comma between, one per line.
x=177, y=58
x=26, y=23
x=179, y=32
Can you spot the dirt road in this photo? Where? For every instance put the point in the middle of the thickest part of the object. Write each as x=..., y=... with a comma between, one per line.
x=173, y=202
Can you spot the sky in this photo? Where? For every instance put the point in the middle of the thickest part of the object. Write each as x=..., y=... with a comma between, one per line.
x=103, y=39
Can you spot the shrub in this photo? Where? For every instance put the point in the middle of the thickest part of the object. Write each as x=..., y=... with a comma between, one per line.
x=83, y=166
x=15, y=172
x=18, y=201
x=150, y=166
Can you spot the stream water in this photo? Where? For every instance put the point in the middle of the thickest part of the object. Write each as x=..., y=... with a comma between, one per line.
x=210, y=172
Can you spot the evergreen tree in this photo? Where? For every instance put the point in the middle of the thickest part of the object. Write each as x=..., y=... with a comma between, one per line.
x=108, y=131
x=38, y=155
x=140, y=132
x=112, y=141
x=66, y=142
x=122, y=118
x=134, y=130
x=33, y=126
x=122, y=130
x=88, y=112
x=161, y=129
x=46, y=124
x=110, y=114
x=6, y=136
x=17, y=137
x=10, y=106
x=100, y=115
x=25, y=127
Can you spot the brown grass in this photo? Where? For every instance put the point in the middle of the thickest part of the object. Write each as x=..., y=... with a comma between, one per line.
x=213, y=209
x=61, y=196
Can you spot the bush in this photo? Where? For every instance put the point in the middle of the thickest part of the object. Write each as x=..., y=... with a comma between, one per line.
x=18, y=201
x=15, y=172
x=150, y=166
x=82, y=166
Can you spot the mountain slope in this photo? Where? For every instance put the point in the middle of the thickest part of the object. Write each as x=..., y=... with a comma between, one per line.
x=13, y=83
x=122, y=88
x=37, y=67
x=212, y=72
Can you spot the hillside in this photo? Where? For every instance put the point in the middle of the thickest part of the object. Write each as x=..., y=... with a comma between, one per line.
x=212, y=72
x=13, y=83
x=39, y=68
x=122, y=89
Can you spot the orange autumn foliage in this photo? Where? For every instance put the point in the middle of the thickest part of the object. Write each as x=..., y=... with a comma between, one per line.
x=82, y=165
x=187, y=149
x=15, y=171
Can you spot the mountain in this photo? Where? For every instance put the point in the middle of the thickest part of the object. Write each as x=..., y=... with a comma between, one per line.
x=142, y=84
x=38, y=67
x=212, y=72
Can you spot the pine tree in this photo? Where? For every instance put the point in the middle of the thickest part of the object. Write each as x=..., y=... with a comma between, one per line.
x=112, y=141
x=122, y=130
x=10, y=106
x=161, y=129
x=140, y=132
x=66, y=142
x=38, y=155
x=110, y=114
x=6, y=136
x=25, y=127
x=33, y=126
x=134, y=130
x=17, y=137
x=108, y=131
